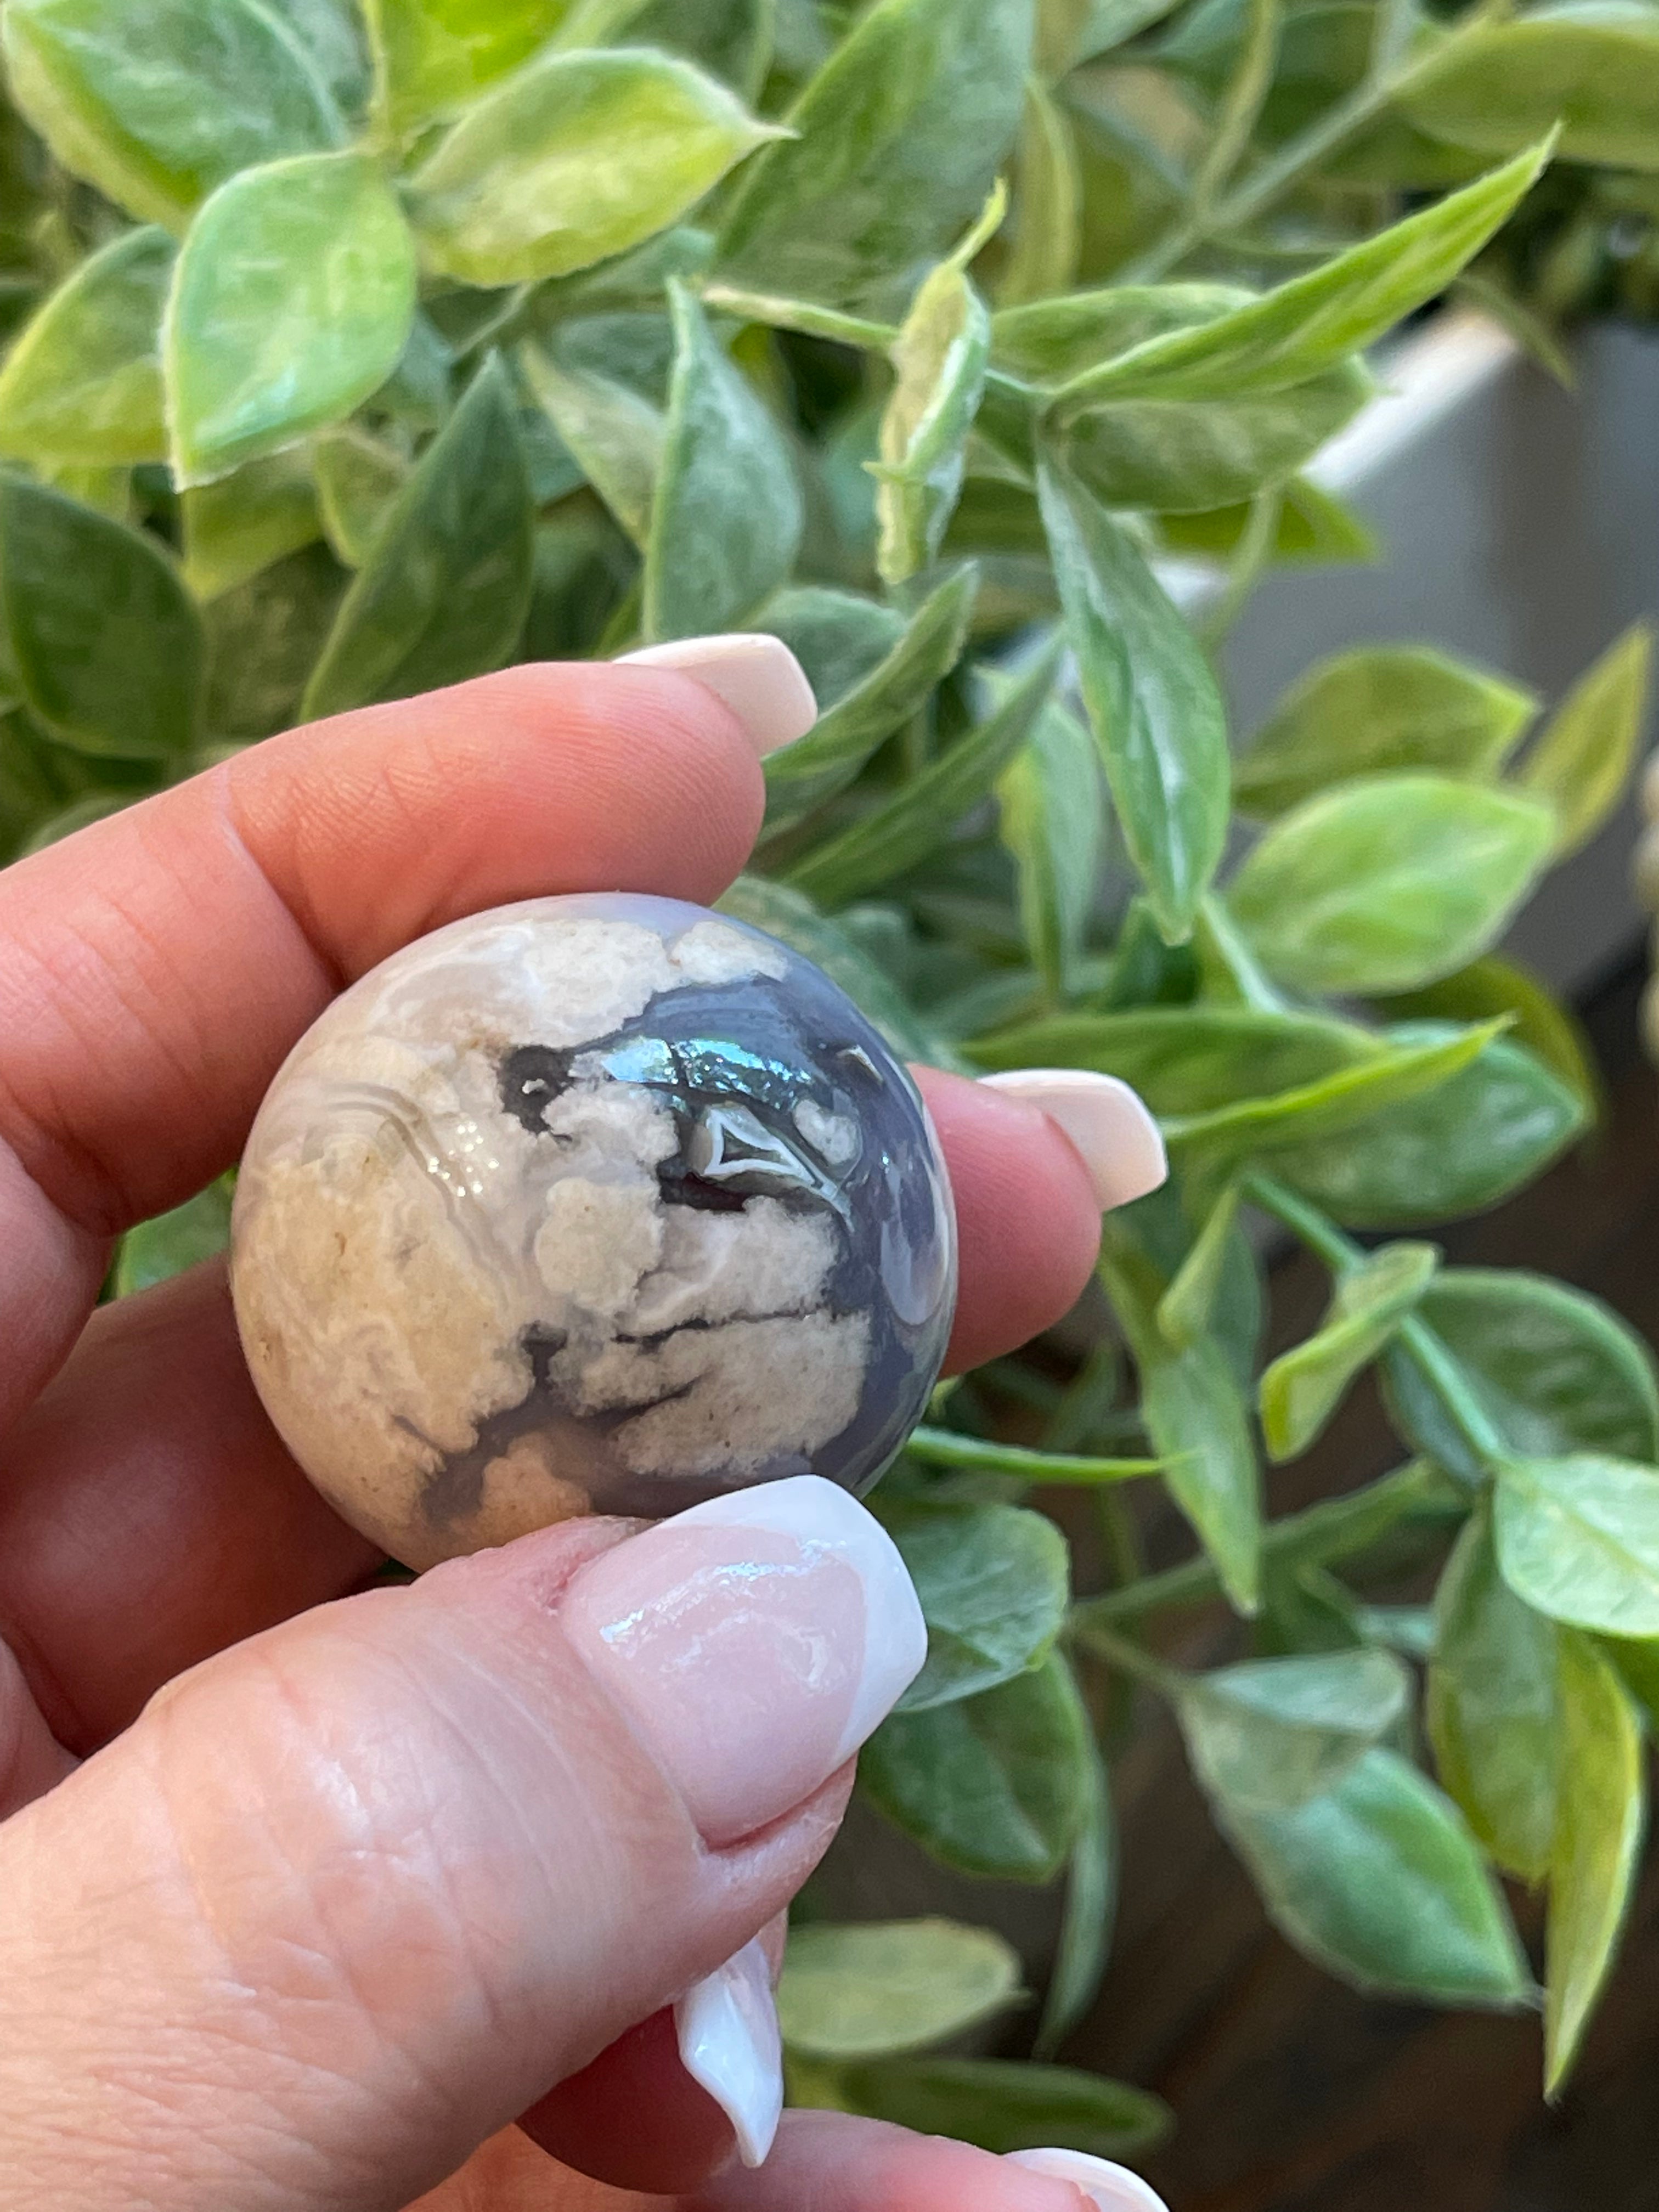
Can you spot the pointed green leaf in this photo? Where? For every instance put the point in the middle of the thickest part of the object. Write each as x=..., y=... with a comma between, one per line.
x=1151, y=699
x=1188, y=1060
x=838, y=637
x=866, y=1989
x=1085, y=1930
x=1052, y=817
x=1304, y=1387
x=84, y=381
x=1492, y=987
x=1493, y=1706
x=444, y=593
x=1047, y=221
x=924, y=811
x=725, y=522
x=291, y=303
x=578, y=157
x=263, y=638
x=155, y=1250
x=1379, y=1880
x=1578, y=1538
x=1272, y=1733
x=993, y=1582
x=434, y=55
x=804, y=774
x=614, y=430
x=896, y=142
x=1192, y=1406
x=357, y=478
x=995, y=1784
x=1589, y=68
x=1597, y=1848
x=1378, y=709
x=1184, y=1311
x=1005, y=2104
x=1582, y=759
x=106, y=646
x=157, y=104
x=1554, y=1371
x=1314, y=322
x=240, y=525
x=1388, y=882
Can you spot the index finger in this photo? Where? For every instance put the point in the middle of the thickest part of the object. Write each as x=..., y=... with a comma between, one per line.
x=159, y=965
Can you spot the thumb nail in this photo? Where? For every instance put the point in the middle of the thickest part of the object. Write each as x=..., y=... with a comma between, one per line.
x=727, y=2026
x=755, y=676
x=1112, y=2188
x=1109, y=1123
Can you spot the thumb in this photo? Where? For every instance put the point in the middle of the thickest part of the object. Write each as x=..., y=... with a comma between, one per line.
x=348, y=1898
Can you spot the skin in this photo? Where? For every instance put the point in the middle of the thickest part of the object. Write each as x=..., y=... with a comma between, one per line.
x=287, y=1932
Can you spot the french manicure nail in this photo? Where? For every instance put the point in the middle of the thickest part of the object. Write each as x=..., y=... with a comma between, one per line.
x=1112, y=2188
x=755, y=676
x=753, y=1642
x=1119, y=1141
x=727, y=2026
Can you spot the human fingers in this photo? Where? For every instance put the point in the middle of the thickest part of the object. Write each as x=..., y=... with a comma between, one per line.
x=151, y=1516
x=159, y=964
x=347, y=1899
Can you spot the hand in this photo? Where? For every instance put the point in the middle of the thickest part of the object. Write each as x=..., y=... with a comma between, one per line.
x=306, y=1895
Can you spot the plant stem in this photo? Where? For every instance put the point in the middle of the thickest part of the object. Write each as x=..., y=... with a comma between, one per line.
x=1129, y=1658
x=1335, y=1529
x=945, y=1448
x=1433, y=1360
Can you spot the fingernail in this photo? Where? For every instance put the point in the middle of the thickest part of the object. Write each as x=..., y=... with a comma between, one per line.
x=1113, y=2188
x=753, y=1643
x=727, y=2026
x=1119, y=1141
x=756, y=677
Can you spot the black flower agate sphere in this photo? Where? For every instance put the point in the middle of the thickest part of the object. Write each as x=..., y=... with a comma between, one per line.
x=600, y=1204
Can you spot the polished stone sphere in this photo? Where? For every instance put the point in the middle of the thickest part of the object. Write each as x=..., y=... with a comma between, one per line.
x=603, y=1204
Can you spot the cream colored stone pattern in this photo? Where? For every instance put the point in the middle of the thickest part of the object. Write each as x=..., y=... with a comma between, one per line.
x=507, y=1249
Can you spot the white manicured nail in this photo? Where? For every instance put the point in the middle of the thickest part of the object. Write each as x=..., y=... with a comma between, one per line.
x=1112, y=2188
x=727, y=2026
x=754, y=1643
x=755, y=676
x=1119, y=1140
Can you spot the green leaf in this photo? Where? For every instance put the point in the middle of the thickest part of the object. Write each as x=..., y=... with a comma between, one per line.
x=444, y=594
x=1379, y=1880
x=1314, y=322
x=1003, y=2105
x=1085, y=1929
x=939, y=363
x=1188, y=1060
x=291, y=303
x=1579, y=1539
x=576, y=158
x=240, y=525
x=1378, y=709
x=864, y=1990
x=614, y=432
x=1187, y=1308
x=84, y=381
x=896, y=142
x=1454, y=1150
x=332, y=36
x=1186, y=456
x=1554, y=1371
x=725, y=522
x=1192, y=1406
x=1051, y=816
x=996, y=1784
x=157, y=104
x=106, y=646
x=1042, y=255
x=197, y=1230
x=785, y=913
x=1272, y=1733
x=357, y=477
x=1492, y=1705
x=993, y=1582
x=1304, y=1387
x=733, y=38
x=1388, y=882
x=1153, y=702
x=1597, y=1849
x=436, y=55
x=1048, y=343
x=1494, y=987
x=1588, y=69
x=263, y=638
x=1314, y=529
x=1580, y=761
x=838, y=637
x=803, y=775
x=924, y=811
